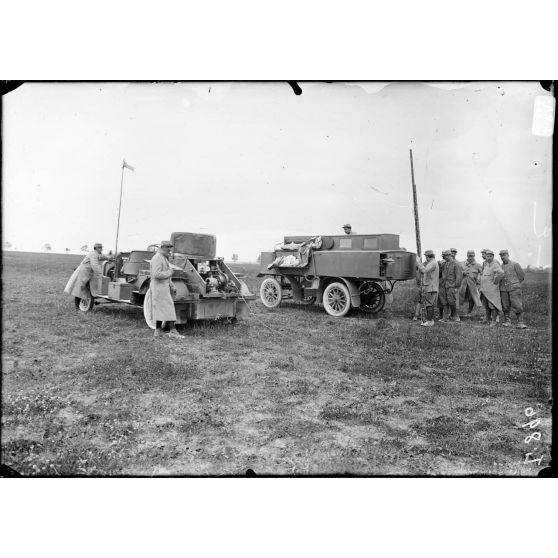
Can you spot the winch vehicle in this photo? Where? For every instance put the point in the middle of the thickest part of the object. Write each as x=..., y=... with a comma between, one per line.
x=205, y=286
x=342, y=272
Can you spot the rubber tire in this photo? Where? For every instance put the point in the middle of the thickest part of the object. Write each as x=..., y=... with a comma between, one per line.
x=271, y=292
x=337, y=290
x=86, y=304
x=147, y=310
x=378, y=307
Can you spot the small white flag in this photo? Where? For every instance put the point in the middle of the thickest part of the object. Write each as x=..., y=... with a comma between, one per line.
x=126, y=165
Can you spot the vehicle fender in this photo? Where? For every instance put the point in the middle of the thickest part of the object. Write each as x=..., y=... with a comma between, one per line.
x=142, y=284
x=351, y=286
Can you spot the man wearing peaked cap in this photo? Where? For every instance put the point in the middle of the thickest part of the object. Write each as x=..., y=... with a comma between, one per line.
x=83, y=284
x=430, y=281
x=439, y=305
x=469, y=290
x=348, y=229
x=450, y=281
x=491, y=275
x=418, y=299
x=159, y=299
x=453, y=252
x=483, y=256
x=510, y=290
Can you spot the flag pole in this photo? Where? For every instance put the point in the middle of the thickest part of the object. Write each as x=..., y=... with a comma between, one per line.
x=119, y=206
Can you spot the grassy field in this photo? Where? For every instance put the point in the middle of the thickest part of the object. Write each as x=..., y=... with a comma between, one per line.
x=290, y=391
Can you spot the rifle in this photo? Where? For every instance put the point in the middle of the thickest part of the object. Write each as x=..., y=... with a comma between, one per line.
x=417, y=233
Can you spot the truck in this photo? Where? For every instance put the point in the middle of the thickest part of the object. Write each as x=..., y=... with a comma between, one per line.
x=205, y=286
x=340, y=271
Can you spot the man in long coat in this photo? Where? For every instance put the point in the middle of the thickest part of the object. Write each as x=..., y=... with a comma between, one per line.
x=430, y=283
x=510, y=290
x=469, y=292
x=161, y=291
x=439, y=305
x=450, y=281
x=490, y=288
x=83, y=282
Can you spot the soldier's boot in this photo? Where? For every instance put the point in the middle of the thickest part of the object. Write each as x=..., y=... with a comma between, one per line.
x=158, y=332
x=492, y=321
x=454, y=313
x=520, y=323
x=429, y=317
x=507, y=320
x=174, y=333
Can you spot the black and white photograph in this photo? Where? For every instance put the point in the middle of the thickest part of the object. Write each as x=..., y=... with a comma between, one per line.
x=276, y=278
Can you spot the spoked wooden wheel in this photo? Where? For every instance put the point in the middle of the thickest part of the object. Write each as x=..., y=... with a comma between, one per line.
x=271, y=292
x=147, y=307
x=86, y=304
x=308, y=300
x=372, y=297
x=337, y=300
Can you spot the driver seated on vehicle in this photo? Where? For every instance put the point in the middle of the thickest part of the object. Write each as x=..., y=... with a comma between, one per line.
x=348, y=229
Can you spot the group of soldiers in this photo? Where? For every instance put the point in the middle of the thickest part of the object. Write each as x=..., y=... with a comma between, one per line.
x=161, y=304
x=445, y=285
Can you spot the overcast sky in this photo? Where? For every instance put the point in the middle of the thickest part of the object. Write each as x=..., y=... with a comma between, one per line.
x=253, y=162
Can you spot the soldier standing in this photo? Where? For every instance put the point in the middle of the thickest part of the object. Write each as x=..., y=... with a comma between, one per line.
x=161, y=287
x=430, y=284
x=450, y=281
x=490, y=291
x=510, y=290
x=469, y=291
x=439, y=305
x=483, y=256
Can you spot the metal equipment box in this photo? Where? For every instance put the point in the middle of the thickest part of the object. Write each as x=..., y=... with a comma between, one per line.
x=103, y=285
x=120, y=291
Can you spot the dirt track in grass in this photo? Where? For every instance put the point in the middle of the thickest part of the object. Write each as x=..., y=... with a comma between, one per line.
x=290, y=391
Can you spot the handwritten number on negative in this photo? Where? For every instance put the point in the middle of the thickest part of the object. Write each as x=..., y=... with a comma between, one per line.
x=535, y=436
x=531, y=424
x=537, y=461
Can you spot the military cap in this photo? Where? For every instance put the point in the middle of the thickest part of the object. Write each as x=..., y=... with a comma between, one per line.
x=446, y=252
x=453, y=250
x=470, y=252
x=487, y=251
x=97, y=245
x=429, y=253
x=347, y=226
x=166, y=243
x=504, y=252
